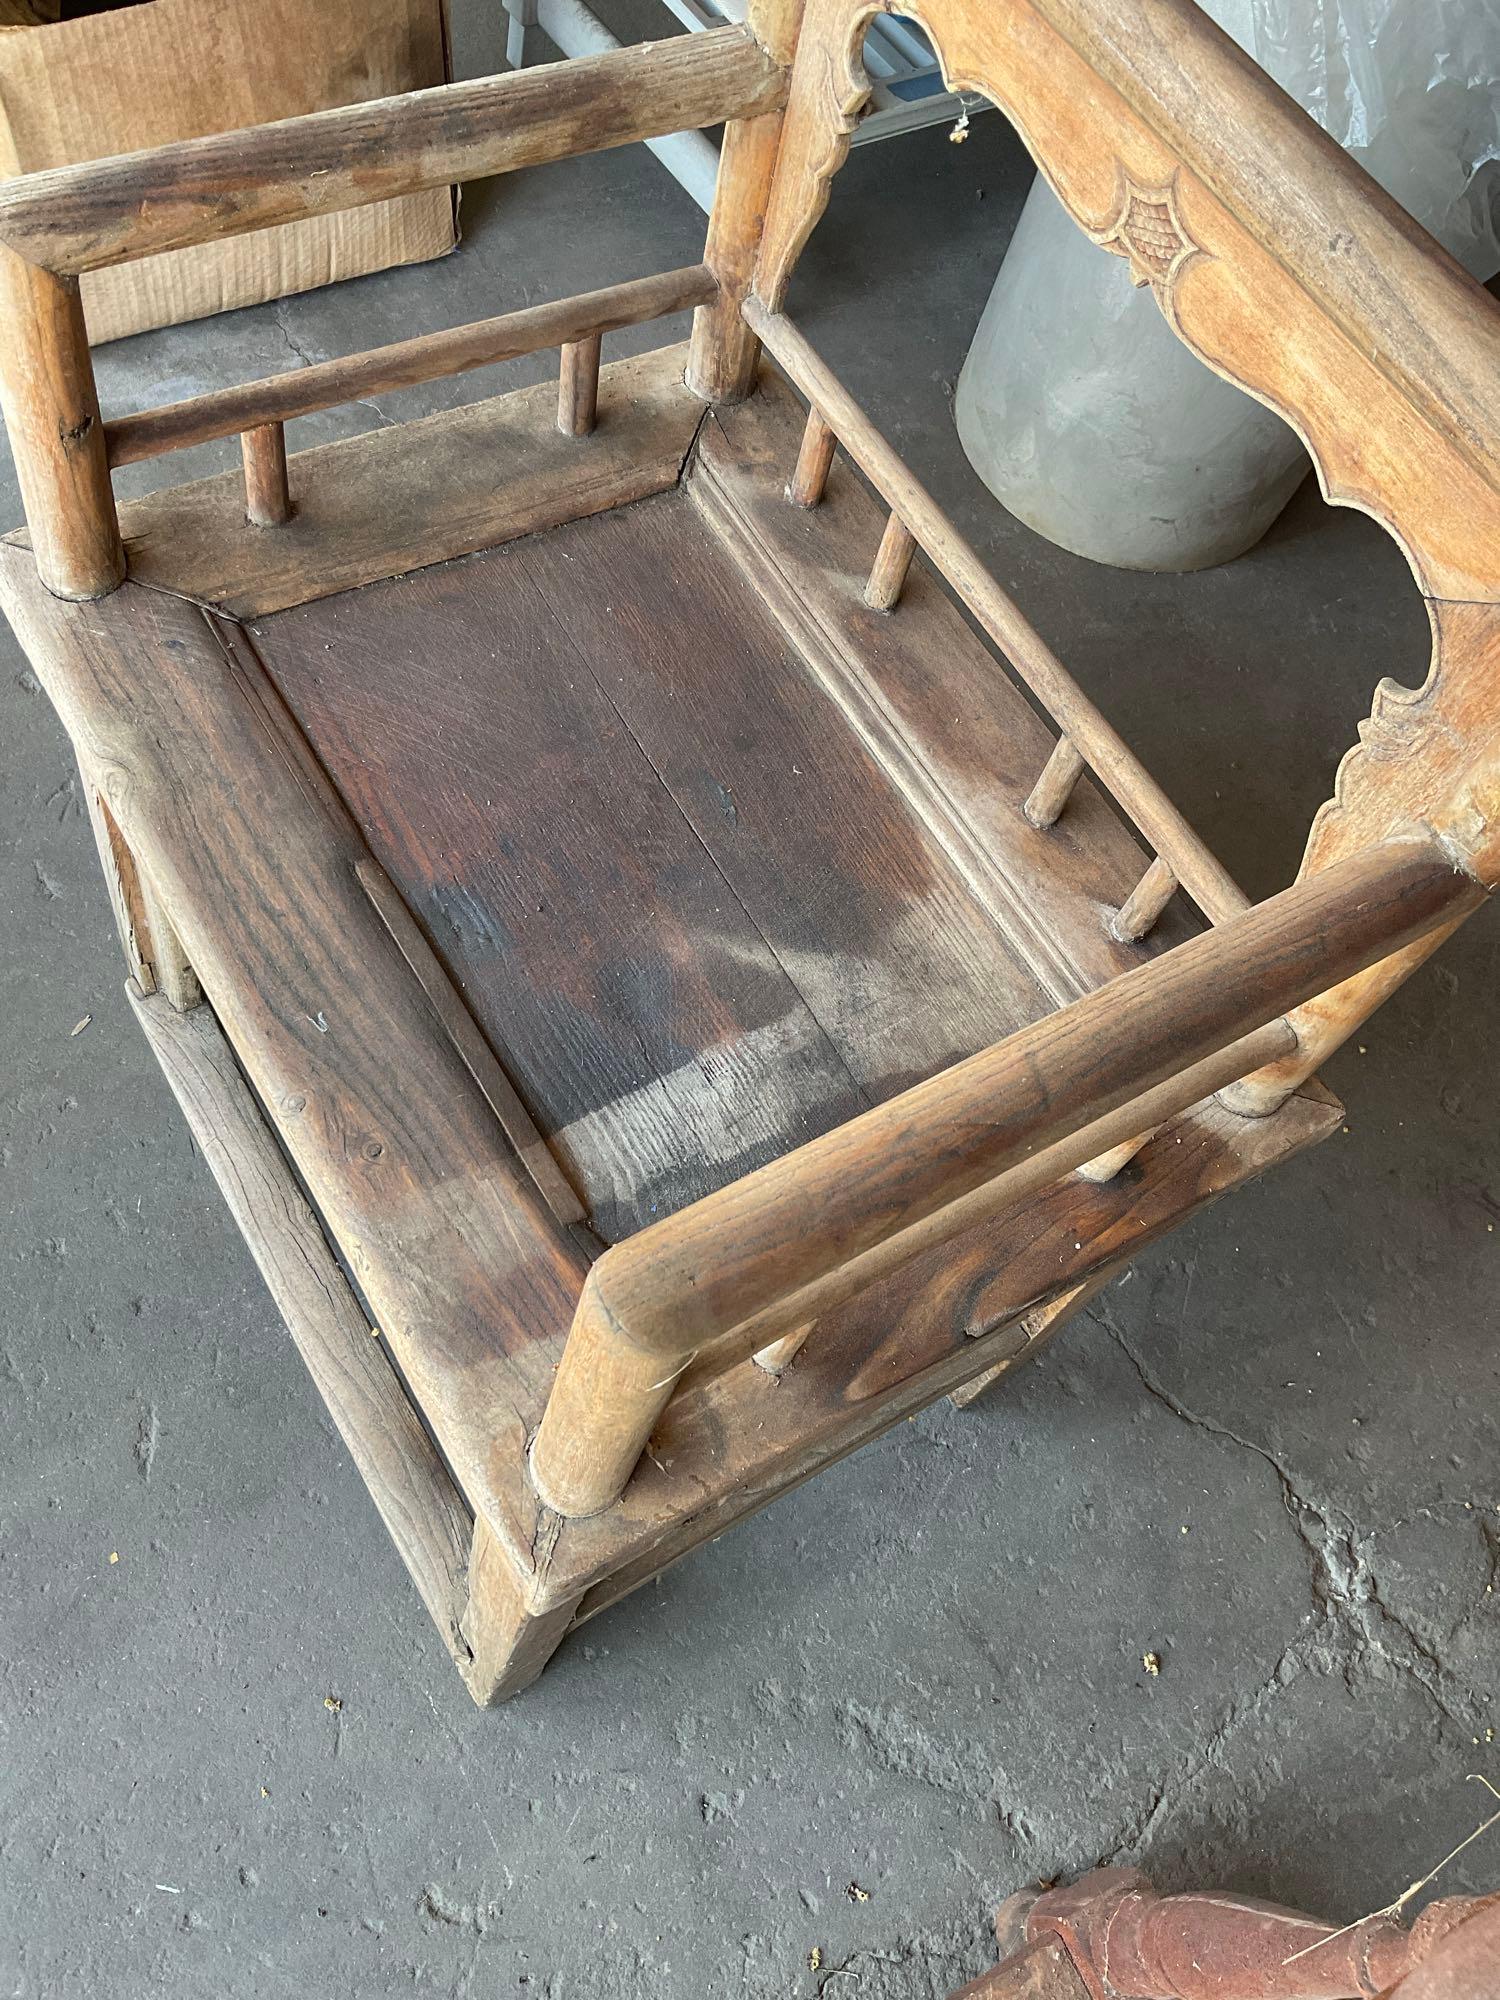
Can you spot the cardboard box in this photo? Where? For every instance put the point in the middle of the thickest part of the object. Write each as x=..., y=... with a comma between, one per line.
x=142, y=74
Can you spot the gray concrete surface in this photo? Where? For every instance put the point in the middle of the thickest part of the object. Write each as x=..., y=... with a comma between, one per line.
x=1268, y=1455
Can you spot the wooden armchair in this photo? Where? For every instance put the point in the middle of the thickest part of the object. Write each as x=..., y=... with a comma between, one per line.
x=659, y=971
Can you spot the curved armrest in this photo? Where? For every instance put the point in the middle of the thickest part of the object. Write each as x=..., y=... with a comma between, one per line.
x=1272, y=254
x=727, y=1275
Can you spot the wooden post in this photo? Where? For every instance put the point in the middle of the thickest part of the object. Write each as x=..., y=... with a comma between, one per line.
x=607, y=1395
x=725, y=353
x=814, y=462
x=56, y=434
x=892, y=561
x=780, y=1355
x=1145, y=903
x=268, y=498
x=578, y=385
x=1054, y=787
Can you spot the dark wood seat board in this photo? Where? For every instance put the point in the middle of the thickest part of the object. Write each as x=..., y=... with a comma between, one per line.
x=699, y=916
x=691, y=914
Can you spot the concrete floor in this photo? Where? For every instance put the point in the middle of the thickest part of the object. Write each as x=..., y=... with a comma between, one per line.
x=1269, y=1455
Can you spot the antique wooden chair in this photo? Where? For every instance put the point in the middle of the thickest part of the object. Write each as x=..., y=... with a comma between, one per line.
x=666, y=937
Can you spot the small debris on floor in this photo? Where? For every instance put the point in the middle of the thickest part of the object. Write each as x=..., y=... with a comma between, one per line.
x=81, y=1026
x=815, y=1959
x=333, y=1703
x=114, y=1555
x=856, y=1894
x=1152, y=1663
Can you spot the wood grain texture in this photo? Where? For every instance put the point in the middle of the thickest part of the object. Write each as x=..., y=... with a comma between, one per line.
x=578, y=386
x=925, y=698
x=610, y=1391
x=56, y=434
x=832, y=863
x=418, y=1502
x=1429, y=754
x=85, y=218
x=1039, y=1325
x=469, y=1277
x=268, y=499
x=722, y=364
x=122, y=882
x=1293, y=275
x=509, y=1642
x=1108, y=755
x=468, y=479
x=648, y=1026
x=731, y=1444
x=402, y=364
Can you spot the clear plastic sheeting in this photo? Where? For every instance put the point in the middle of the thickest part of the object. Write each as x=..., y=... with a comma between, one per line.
x=1080, y=409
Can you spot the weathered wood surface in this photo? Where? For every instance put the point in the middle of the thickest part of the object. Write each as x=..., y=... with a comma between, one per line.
x=468, y=1275
x=578, y=386
x=610, y=1390
x=510, y=1643
x=56, y=435
x=323, y=385
x=833, y=864
x=397, y=498
x=722, y=364
x=1039, y=1325
x=648, y=1026
x=84, y=218
x=719, y=1280
x=728, y=1446
x=925, y=698
x=1426, y=754
x=122, y=882
x=268, y=499
x=1108, y=755
x=478, y=1057
x=417, y=1500
x=1273, y=255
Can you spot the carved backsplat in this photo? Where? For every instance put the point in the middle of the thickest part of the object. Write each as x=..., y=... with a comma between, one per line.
x=1277, y=260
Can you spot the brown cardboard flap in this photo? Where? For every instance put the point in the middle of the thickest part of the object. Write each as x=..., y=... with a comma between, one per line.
x=174, y=69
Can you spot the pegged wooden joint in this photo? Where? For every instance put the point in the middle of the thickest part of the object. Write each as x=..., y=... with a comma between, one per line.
x=893, y=560
x=814, y=462
x=578, y=386
x=1054, y=787
x=1138, y=914
x=268, y=493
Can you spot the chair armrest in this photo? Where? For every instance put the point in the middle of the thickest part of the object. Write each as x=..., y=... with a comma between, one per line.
x=723, y=1277
x=1272, y=254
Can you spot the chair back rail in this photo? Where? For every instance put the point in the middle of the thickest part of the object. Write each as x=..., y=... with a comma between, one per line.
x=86, y=218
x=56, y=224
x=403, y=363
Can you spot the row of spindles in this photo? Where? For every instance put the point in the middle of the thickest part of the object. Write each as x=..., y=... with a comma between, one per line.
x=268, y=494
x=1145, y=904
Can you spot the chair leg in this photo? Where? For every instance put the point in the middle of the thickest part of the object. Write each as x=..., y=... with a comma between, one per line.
x=509, y=1641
